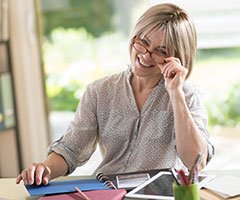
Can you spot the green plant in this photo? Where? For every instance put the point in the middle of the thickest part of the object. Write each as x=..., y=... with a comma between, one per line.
x=221, y=55
x=95, y=16
x=73, y=58
x=225, y=112
x=64, y=97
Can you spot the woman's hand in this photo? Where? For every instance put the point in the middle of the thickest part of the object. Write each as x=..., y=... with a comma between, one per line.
x=41, y=173
x=174, y=73
x=37, y=173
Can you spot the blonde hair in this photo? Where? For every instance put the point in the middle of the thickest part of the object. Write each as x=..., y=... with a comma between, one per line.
x=180, y=32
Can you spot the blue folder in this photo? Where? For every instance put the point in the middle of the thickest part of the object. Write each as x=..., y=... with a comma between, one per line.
x=58, y=187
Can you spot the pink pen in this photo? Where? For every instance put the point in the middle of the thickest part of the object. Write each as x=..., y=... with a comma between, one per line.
x=182, y=177
x=84, y=196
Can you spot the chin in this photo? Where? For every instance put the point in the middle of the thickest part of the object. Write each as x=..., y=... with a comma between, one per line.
x=142, y=70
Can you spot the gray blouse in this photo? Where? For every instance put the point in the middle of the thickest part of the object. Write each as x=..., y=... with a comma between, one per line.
x=129, y=140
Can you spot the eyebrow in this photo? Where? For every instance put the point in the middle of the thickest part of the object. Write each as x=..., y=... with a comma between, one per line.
x=163, y=47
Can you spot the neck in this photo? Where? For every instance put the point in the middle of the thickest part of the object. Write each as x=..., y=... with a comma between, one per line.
x=141, y=84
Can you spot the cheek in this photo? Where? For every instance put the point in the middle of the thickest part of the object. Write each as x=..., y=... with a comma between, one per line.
x=133, y=56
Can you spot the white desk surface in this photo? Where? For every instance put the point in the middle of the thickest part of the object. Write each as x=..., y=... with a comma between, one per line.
x=9, y=190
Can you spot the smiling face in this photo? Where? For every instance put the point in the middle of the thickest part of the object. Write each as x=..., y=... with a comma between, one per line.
x=179, y=37
x=145, y=61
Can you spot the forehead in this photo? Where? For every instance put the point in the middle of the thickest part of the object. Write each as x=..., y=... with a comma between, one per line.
x=157, y=37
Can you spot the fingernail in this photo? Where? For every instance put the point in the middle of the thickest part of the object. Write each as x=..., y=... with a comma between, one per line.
x=38, y=182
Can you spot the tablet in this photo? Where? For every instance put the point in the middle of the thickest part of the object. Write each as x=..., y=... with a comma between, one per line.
x=160, y=186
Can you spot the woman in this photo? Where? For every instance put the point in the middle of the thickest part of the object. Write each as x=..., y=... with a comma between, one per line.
x=147, y=117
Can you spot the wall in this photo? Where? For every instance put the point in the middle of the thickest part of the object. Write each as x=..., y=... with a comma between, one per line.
x=217, y=21
x=28, y=83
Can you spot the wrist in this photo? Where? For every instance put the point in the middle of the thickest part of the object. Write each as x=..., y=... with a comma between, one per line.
x=176, y=94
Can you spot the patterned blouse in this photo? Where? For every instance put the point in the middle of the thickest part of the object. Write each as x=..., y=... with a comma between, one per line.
x=129, y=140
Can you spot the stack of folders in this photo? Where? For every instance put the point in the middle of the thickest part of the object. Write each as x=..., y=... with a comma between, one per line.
x=85, y=189
x=222, y=188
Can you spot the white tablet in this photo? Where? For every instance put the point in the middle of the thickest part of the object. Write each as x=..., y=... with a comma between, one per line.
x=160, y=186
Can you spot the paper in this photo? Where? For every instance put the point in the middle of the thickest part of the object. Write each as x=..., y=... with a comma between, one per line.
x=226, y=185
x=131, y=180
x=57, y=187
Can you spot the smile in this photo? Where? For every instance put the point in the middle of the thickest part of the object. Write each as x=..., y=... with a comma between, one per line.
x=144, y=64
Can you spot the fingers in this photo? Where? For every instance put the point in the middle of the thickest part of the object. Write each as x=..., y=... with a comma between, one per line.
x=42, y=175
x=172, y=67
x=30, y=174
x=45, y=180
x=19, y=178
x=177, y=60
x=47, y=176
x=168, y=70
x=37, y=173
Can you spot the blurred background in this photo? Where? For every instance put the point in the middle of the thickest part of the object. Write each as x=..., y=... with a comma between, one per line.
x=57, y=47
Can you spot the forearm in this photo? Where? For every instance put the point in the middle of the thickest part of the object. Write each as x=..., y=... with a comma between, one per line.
x=189, y=140
x=56, y=164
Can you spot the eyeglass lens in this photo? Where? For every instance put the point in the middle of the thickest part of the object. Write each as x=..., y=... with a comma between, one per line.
x=141, y=49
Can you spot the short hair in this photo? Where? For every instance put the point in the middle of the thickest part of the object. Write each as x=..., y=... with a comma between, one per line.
x=179, y=30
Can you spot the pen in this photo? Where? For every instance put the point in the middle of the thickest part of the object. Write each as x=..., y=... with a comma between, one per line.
x=175, y=176
x=182, y=177
x=196, y=179
x=84, y=196
x=194, y=169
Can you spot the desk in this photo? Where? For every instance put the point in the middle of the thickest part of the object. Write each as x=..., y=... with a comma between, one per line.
x=10, y=191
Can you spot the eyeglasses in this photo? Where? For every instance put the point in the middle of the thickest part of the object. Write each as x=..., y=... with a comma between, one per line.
x=157, y=56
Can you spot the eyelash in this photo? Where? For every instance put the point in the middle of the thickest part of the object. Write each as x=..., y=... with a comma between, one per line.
x=162, y=52
x=145, y=42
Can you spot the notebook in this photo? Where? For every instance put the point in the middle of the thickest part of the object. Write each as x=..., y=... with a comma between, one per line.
x=102, y=182
x=93, y=195
x=207, y=194
x=223, y=187
x=132, y=181
x=67, y=186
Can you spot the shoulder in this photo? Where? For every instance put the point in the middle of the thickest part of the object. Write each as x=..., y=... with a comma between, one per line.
x=191, y=88
x=194, y=96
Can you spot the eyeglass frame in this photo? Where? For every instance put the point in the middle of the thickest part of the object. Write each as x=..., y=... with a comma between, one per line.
x=150, y=52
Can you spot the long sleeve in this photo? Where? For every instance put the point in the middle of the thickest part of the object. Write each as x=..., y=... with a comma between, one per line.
x=79, y=142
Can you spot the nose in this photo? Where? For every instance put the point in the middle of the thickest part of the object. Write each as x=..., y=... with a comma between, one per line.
x=147, y=55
